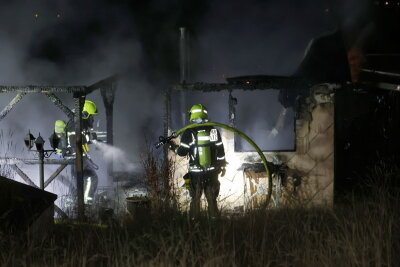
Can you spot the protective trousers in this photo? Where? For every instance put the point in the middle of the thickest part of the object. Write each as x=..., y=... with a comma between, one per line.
x=90, y=180
x=208, y=183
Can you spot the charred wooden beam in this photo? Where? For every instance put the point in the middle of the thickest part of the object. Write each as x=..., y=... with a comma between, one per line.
x=13, y=161
x=108, y=95
x=232, y=102
x=54, y=175
x=167, y=112
x=60, y=212
x=43, y=89
x=167, y=118
x=105, y=83
x=183, y=55
x=272, y=83
x=23, y=175
x=68, y=183
x=11, y=105
x=57, y=101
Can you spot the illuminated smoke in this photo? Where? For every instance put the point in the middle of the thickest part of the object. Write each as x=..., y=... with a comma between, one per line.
x=112, y=154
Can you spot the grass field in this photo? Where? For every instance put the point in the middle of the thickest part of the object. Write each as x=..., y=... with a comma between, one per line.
x=363, y=231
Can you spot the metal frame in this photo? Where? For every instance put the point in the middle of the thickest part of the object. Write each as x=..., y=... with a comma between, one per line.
x=107, y=87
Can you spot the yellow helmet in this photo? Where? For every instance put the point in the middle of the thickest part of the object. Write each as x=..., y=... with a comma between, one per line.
x=59, y=126
x=198, y=111
x=89, y=108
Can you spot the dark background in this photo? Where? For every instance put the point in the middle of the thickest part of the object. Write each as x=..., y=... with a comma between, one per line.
x=80, y=42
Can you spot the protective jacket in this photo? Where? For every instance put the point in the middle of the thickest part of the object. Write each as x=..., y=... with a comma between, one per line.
x=204, y=146
x=71, y=135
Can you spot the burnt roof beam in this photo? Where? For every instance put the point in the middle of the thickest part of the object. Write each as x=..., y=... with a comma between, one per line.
x=11, y=105
x=103, y=84
x=58, y=103
x=215, y=87
x=42, y=89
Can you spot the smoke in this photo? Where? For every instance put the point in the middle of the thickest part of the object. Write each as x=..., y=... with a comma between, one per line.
x=80, y=42
x=64, y=43
x=256, y=37
x=113, y=154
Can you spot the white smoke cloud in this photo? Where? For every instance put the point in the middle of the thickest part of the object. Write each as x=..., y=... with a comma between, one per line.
x=115, y=155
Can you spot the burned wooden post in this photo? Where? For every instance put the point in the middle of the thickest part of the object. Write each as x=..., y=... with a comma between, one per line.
x=167, y=119
x=232, y=102
x=183, y=56
x=41, y=169
x=108, y=95
x=167, y=112
x=79, y=100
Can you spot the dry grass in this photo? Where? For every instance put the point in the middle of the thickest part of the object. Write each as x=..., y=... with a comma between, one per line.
x=159, y=175
x=365, y=232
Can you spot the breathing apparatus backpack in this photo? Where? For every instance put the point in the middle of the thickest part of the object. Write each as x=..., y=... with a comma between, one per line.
x=204, y=141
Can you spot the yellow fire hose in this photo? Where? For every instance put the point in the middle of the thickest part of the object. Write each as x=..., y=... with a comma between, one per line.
x=245, y=137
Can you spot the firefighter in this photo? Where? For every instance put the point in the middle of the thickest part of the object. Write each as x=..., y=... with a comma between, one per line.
x=68, y=149
x=60, y=134
x=206, y=154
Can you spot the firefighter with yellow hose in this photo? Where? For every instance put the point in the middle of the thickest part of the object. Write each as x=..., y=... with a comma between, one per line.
x=206, y=153
x=66, y=147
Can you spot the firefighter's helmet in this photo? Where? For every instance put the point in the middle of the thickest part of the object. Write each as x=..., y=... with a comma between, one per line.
x=89, y=108
x=198, y=111
x=59, y=126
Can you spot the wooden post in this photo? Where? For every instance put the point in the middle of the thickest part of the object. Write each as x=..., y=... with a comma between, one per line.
x=108, y=95
x=183, y=74
x=79, y=102
x=167, y=119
